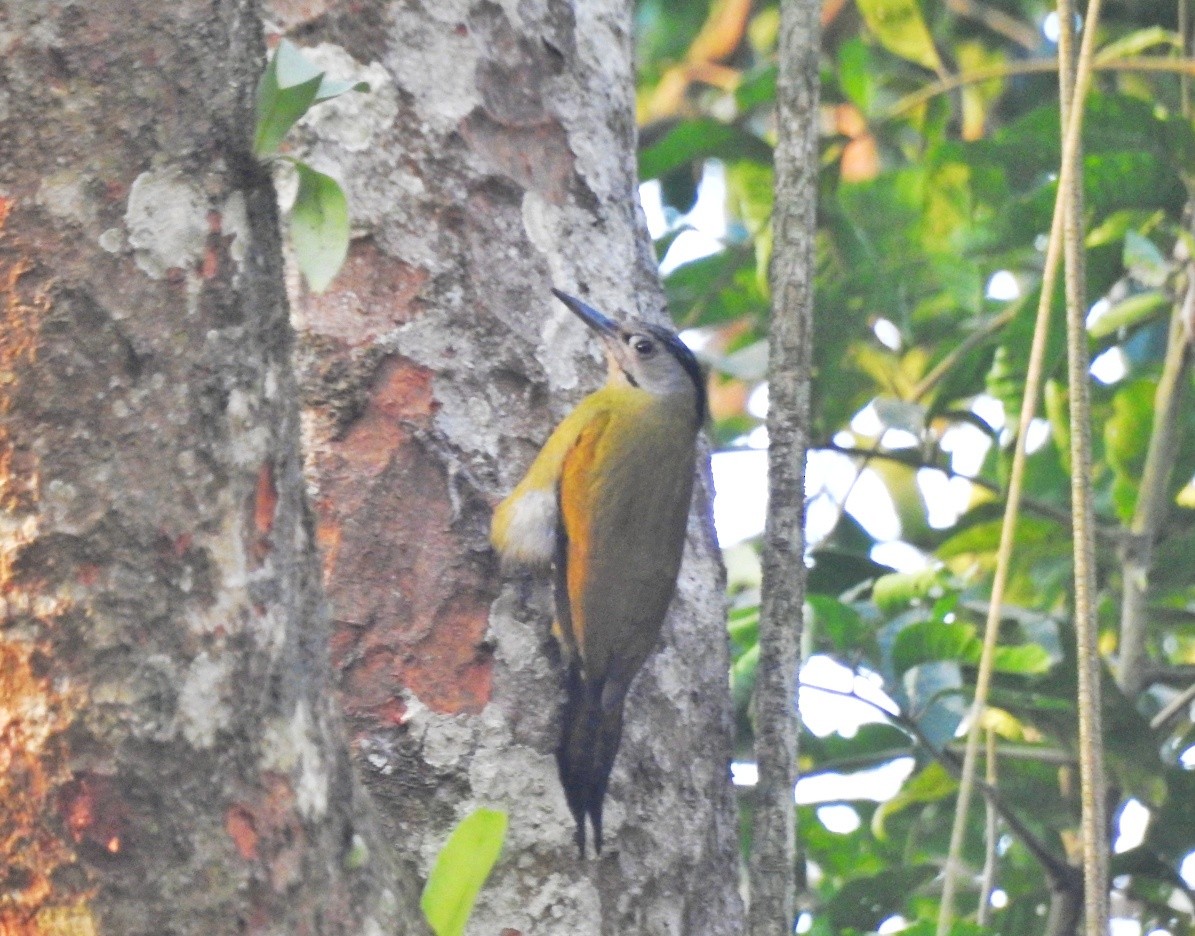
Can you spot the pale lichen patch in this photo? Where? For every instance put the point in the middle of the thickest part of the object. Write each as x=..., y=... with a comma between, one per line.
x=236, y=224
x=202, y=707
x=63, y=195
x=354, y=119
x=167, y=221
x=289, y=747
x=443, y=97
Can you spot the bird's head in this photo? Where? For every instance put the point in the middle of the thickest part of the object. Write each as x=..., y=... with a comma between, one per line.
x=644, y=355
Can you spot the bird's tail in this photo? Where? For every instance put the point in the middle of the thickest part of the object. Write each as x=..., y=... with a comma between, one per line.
x=590, y=733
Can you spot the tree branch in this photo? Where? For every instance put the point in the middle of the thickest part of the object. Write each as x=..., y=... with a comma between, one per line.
x=781, y=619
x=977, y=337
x=1033, y=67
x=1152, y=498
x=1057, y=869
x=997, y=21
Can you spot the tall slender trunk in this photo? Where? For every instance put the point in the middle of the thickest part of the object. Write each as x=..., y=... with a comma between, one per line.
x=493, y=159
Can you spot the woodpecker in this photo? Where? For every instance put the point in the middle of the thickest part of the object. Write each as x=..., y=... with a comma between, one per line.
x=605, y=504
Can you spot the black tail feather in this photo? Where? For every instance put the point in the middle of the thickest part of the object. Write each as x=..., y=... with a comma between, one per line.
x=572, y=754
x=591, y=729
x=609, y=735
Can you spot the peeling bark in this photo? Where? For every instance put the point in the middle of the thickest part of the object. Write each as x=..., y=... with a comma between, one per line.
x=492, y=159
x=170, y=760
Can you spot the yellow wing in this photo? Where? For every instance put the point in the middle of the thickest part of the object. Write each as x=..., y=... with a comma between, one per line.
x=523, y=530
x=579, y=479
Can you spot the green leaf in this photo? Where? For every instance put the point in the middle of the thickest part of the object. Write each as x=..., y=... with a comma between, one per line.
x=694, y=140
x=900, y=27
x=933, y=641
x=743, y=627
x=929, y=785
x=1137, y=42
x=929, y=641
x=984, y=537
x=461, y=869
x=839, y=624
x=1126, y=314
x=864, y=903
x=319, y=226
x=870, y=746
x=291, y=67
x=329, y=88
x=1144, y=260
x=892, y=592
x=856, y=75
x=756, y=88
x=1126, y=438
x=286, y=90
x=1058, y=412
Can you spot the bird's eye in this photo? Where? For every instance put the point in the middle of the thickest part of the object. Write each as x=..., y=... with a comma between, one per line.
x=644, y=347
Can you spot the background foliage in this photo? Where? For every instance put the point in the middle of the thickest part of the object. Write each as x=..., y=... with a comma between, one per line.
x=935, y=198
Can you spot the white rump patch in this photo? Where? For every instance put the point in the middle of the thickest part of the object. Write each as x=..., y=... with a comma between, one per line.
x=531, y=533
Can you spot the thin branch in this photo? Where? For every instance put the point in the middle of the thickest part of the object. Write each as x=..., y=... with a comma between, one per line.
x=1184, y=66
x=1093, y=794
x=781, y=618
x=1033, y=381
x=990, y=832
x=1184, y=35
x=997, y=21
x=1057, y=870
x=1035, y=506
x=1152, y=500
x=1031, y=752
x=1173, y=707
x=977, y=337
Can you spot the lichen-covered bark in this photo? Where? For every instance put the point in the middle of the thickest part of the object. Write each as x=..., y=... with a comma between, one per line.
x=169, y=758
x=782, y=599
x=492, y=159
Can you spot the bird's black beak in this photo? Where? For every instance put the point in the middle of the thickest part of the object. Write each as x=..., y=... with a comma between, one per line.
x=604, y=326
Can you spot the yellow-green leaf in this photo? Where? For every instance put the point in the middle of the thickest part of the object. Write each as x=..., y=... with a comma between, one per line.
x=899, y=25
x=929, y=785
x=461, y=868
x=319, y=227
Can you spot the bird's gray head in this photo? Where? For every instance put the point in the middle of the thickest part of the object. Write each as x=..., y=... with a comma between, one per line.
x=645, y=355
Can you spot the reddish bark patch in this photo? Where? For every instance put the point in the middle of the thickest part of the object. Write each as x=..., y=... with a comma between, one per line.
x=265, y=506
x=238, y=823
x=267, y=827
x=95, y=814
x=537, y=157
x=371, y=295
x=411, y=606
x=210, y=265
x=33, y=719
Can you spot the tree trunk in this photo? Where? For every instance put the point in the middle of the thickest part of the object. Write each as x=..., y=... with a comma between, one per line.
x=494, y=158
x=170, y=761
x=790, y=368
